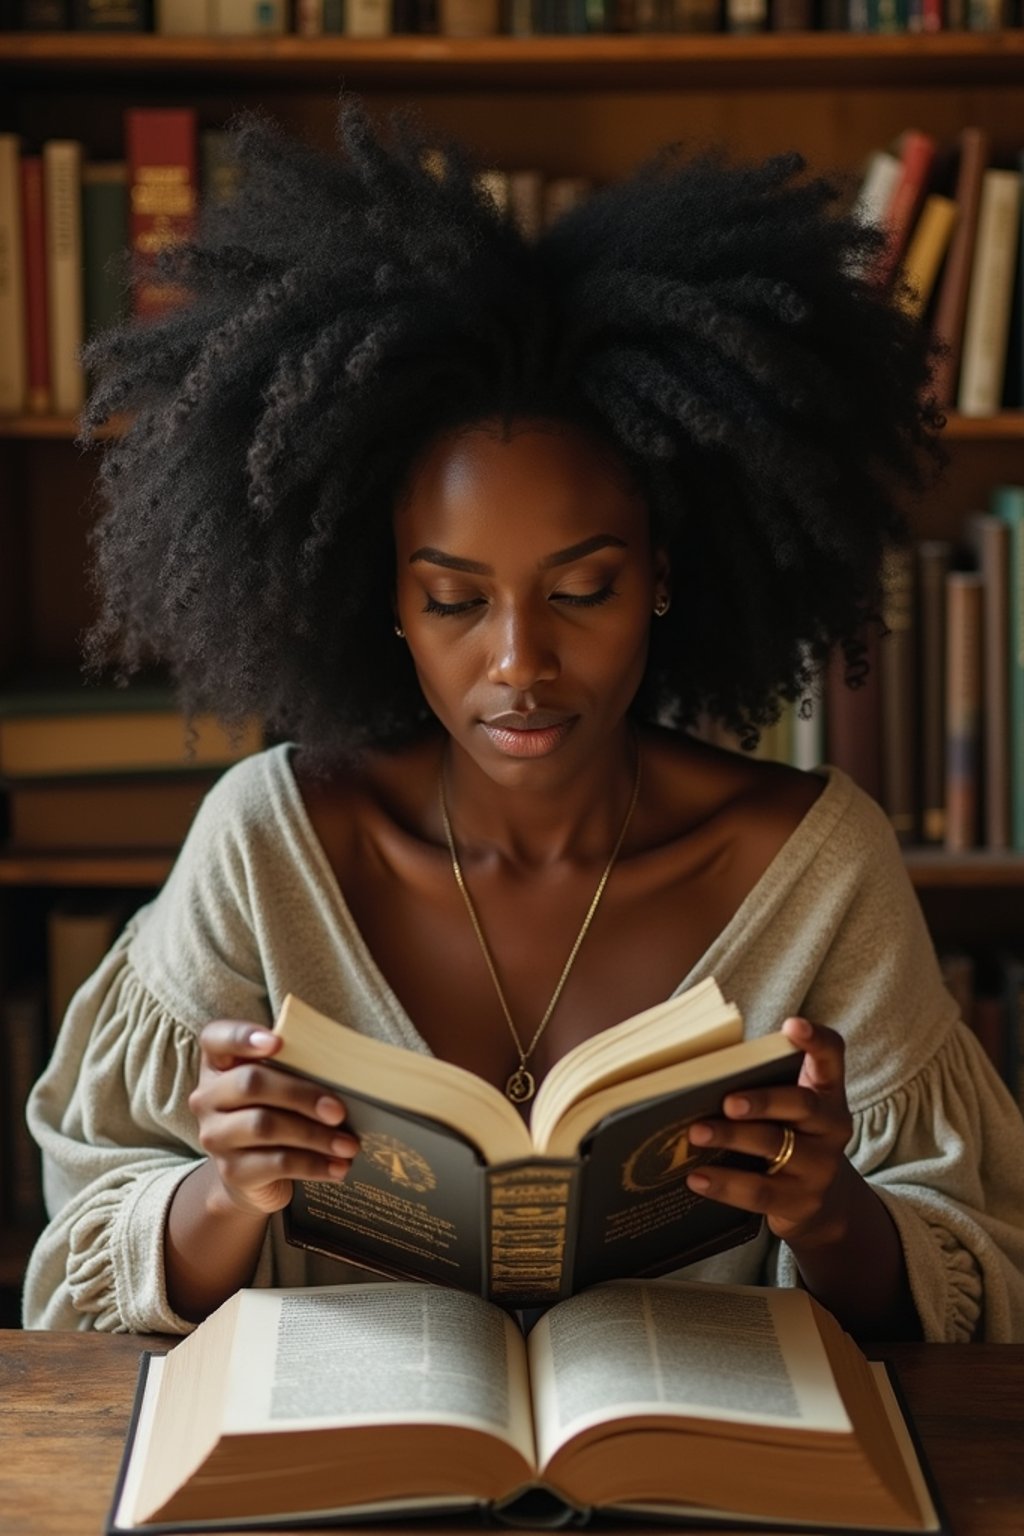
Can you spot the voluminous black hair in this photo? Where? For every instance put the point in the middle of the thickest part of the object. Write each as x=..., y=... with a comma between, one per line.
x=714, y=326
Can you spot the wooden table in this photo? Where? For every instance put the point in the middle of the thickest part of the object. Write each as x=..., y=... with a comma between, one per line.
x=65, y=1400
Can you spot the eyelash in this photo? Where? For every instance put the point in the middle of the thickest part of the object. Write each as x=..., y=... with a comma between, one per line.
x=589, y=600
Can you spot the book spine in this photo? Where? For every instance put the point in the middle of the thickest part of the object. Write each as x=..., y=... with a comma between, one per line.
x=14, y=351
x=791, y=15
x=521, y=19
x=963, y=709
x=925, y=251
x=1008, y=504
x=746, y=17
x=62, y=188
x=79, y=933
x=247, y=18
x=951, y=300
x=21, y=1047
x=897, y=686
x=161, y=152
x=994, y=564
x=986, y=326
x=468, y=18
x=917, y=155
x=45, y=15
x=876, y=189
x=853, y=717
x=104, y=242
x=183, y=18
x=112, y=15
x=528, y=1255
x=221, y=173
x=37, y=326
x=367, y=18
x=696, y=16
x=933, y=563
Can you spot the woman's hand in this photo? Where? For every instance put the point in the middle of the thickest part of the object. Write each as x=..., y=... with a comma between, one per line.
x=807, y=1200
x=262, y=1128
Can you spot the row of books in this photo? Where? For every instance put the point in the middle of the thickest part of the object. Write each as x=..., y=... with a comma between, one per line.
x=936, y=731
x=517, y=18
x=953, y=219
x=67, y=223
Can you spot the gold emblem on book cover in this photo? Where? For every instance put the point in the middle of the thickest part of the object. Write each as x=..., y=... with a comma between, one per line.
x=661, y=1159
x=402, y=1164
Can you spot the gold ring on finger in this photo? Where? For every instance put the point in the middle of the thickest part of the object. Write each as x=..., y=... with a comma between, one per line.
x=784, y=1153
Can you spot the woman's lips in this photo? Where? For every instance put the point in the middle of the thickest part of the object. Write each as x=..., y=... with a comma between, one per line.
x=527, y=740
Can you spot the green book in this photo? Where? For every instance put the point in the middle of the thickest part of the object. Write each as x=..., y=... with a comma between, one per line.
x=1008, y=504
x=104, y=244
x=452, y=1185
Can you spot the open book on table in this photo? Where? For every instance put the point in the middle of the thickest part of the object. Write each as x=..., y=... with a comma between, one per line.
x=657, y=1399
x=452, y=1185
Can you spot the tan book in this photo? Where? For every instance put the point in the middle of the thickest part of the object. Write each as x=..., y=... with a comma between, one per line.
x=452, y=1184
x=663, y=1401
x=80, y=930
x=990, y=296
x=14, y=350
x=246, y=18
x=62, y=185
x=111, y=741
x=927, y=247
x=368, y=18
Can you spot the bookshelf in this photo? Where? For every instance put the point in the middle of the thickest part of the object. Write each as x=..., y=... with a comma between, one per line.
x=589, y=106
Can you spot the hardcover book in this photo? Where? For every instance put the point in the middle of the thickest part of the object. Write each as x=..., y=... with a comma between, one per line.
x=452, y=1185
x=664, y=1402
x=161, y=151
x=14, y=352
x=951, y=299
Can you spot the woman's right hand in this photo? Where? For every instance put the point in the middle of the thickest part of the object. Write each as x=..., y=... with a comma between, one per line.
x=262, y=1128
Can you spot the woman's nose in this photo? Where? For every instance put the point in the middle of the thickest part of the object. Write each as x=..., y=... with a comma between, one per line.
x=523, y=653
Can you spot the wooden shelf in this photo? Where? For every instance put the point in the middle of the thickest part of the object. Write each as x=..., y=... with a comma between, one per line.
x=78, y=869
x=935, y=869
x=774, y=60
x=1007, y=427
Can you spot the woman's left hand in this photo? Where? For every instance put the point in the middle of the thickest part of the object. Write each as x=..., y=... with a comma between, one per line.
x=806, y=1199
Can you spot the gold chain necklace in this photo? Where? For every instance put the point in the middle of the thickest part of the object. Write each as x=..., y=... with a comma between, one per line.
x=521, y=1085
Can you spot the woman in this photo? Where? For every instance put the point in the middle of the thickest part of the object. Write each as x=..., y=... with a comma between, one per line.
x=483, y=528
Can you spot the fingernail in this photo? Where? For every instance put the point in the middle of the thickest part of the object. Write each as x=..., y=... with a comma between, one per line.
x=261, y=1038
x=800, y=1027
x=338, y=1170
x=332, y=1111
x=701, y=1134
x=698, y=1183
x=737, y=1106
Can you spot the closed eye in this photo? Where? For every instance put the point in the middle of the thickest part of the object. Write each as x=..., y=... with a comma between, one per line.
x=448, y=609
x=585, y=599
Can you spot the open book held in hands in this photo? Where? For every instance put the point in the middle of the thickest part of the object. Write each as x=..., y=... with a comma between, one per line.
x=658, y=1399
x=451, y=1185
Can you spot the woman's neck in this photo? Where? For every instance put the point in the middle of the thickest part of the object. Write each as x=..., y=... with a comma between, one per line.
x=576, y=820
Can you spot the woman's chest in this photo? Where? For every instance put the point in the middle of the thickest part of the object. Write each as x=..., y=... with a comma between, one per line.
x=478, y=978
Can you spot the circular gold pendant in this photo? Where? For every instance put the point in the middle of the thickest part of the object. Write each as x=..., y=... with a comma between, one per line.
x=520, y=1086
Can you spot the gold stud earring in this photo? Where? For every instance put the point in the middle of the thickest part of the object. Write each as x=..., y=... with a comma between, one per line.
x=662, y=603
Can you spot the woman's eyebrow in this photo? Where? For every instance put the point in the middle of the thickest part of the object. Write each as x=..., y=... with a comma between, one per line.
x=477, y=567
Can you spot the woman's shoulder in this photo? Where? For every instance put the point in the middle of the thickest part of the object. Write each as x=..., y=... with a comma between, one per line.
x=695, y=783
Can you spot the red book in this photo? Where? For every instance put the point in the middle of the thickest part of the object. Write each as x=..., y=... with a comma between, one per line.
x=161, y=151
x=33, y=223
x=917, y=153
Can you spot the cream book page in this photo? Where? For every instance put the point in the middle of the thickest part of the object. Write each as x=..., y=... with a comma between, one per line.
x=377, y=1354
x=735, y=1354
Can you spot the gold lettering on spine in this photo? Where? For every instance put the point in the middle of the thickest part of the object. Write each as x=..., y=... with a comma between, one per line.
x=529, y=1213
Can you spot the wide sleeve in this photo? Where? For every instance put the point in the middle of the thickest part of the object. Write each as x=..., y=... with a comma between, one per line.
x=110, y=1112
x=936, y=1132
